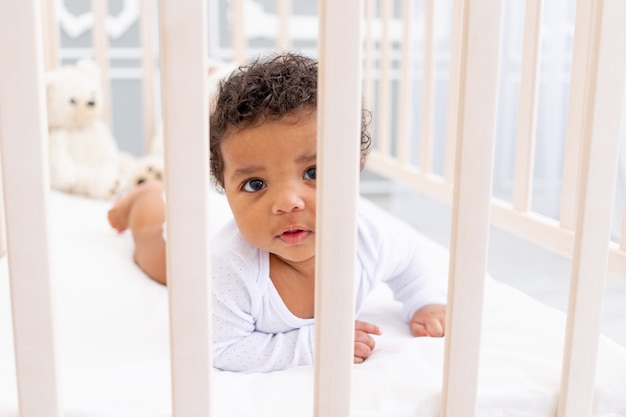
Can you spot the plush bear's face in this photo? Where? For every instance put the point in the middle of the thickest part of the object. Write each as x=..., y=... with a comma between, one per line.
x=74, y=96
x=148, y=168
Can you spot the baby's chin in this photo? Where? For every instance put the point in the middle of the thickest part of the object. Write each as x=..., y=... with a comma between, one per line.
x=294, y=256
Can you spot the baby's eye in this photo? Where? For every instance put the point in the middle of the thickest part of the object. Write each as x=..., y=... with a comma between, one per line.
x=253, y=185
x=309, y=174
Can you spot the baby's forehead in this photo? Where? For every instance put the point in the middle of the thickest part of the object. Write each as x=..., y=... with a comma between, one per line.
x=271, y=149
x=290, y=118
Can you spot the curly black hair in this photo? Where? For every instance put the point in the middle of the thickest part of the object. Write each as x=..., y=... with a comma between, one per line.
x=267, y=89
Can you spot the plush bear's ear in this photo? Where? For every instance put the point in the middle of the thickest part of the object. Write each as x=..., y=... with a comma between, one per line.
x=88, y=67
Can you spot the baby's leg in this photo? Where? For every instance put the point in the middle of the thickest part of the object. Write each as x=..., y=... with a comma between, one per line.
x=142, y=211
x=142, y=206
x=150, y=252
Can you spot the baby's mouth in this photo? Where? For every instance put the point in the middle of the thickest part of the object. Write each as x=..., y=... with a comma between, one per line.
x=293, y=236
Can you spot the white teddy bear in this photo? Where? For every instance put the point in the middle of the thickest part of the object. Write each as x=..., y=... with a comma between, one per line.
x=84, y=156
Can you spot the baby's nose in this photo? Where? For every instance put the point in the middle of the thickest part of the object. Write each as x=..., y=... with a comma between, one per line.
x=288, y=199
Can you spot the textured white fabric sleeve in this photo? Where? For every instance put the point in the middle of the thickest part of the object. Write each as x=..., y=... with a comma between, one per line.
x=390, y=252
x=238, y=302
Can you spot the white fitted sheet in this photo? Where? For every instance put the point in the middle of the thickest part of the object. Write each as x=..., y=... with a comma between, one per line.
x=114, y=360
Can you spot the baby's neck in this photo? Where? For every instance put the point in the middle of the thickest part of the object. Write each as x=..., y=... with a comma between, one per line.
x=295, y=285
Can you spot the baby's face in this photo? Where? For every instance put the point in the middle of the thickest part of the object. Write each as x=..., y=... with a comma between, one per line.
x=269, y=179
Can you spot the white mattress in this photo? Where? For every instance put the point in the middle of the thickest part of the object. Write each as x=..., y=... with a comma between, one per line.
x=113, y=344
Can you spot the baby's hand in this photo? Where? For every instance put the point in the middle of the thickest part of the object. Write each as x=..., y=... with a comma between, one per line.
x=429, y=321
x=363, y=342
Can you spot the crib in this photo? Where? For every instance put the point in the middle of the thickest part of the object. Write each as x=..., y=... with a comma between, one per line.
x=492, y=362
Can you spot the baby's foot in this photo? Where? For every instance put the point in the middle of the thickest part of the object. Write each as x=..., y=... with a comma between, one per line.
x=118, y=214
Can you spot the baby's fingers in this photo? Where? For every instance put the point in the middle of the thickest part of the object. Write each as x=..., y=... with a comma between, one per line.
x=363, y=346
x=367, y=327
x=418, y=329
x=434, y=327
x=429, y=327
x=429, y=321
x=362, y=351
x=363, y=341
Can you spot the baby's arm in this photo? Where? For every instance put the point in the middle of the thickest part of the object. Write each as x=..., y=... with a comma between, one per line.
x=257, y=351
x=391, y=252
x=250, y=334
x=429, y=320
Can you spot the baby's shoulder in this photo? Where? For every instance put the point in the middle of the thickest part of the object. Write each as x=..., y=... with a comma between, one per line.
x=234, y=258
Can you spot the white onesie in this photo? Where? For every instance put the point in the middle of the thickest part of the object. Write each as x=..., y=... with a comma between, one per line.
x=254, y=331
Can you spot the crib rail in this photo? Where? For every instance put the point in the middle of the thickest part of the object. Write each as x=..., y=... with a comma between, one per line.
x=24, y=154
x=474, y=161
x=515, y=215
x=183, y=67
x=589, y=175
x=604, y=94
x=581, y=231
x=339, y=127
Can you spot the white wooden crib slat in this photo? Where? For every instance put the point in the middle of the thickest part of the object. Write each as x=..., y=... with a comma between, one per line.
x=622, y=244
x=427, y=120
x=50, y=35
x=470, y=209
x=184, y=32
x=527, y=115
x=23, y=140
x=339, y=128
x=573, y=141
x=405, y=91
x=100, y=40
x=617, y=262
x=605, y=77
x=284, y=12
x=3, y=231
x=368, y=54
x=148, y=63
x=238, y=34
x=453, y=89
x=383, y=131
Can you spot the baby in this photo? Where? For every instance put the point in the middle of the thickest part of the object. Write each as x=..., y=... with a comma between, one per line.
x=263, y=155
